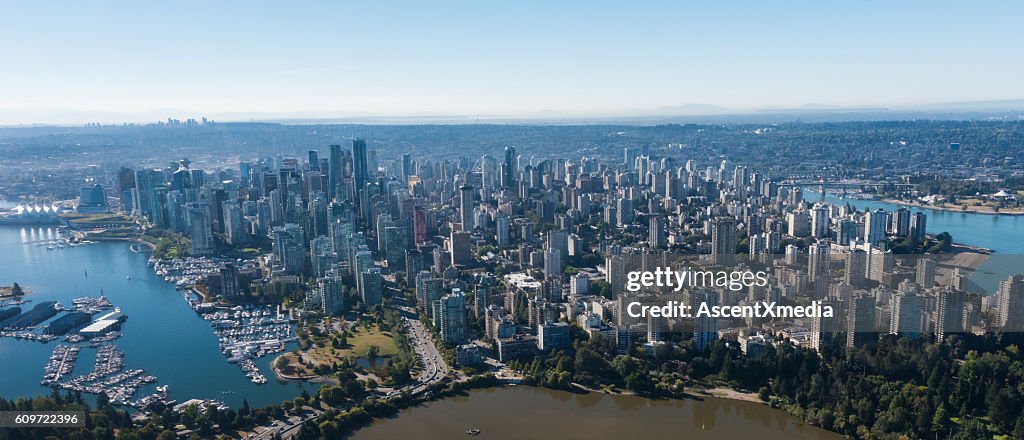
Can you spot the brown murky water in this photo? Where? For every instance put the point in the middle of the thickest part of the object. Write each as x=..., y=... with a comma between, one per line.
x=537, y=413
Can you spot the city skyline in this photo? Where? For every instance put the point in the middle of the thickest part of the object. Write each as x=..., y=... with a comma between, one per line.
x=543, y=266
x=104, y=62
x=367, y=220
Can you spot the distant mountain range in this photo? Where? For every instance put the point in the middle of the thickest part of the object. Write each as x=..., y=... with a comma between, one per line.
x=689, y=112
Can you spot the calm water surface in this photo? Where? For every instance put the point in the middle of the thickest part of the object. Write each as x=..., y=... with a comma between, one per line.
x=536, y=413
x=1003, y=234
x=162, y=334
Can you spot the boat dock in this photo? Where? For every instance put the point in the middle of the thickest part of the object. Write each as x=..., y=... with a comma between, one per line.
x=62, y=361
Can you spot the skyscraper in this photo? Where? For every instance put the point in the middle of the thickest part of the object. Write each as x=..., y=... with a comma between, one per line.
x=200, y=229
x=925, y=272
x=818, y=268
x=334, y=170
x=332, y=295
x=860, y=324
x=856, y=268
x=508, y=168
x=501, y=225
x=406, y=168
x=460, y=248
x=321, y=255
x=362, y=259
x=1010, y=298
x=874, y=226
x=846, y=231
x=656, y=238
x=822, y=327
x=289, y=248
x=394, y=247
x=318, y=205
x=234, y=224
x=428, y=290
x=553, y=263
x=820, y=221
x=360, y=172
x=466, y=207
x=452, y=317
x=313, y=161
x=705, y=328
x=900, y=222
x=799, y=223
x=949, y=313
x=723, y=241
x=918, y=223
x=146, y=183
x=907, y=319
x=558, y=239
x=371, y=286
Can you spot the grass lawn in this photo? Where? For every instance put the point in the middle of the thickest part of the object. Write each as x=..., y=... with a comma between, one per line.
x=96, y=218
x=362, y=340
x=358, y=345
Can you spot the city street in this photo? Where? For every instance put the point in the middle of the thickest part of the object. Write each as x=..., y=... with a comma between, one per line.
x=434, y=367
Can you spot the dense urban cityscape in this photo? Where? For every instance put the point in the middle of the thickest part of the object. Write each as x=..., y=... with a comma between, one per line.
x=386, y=274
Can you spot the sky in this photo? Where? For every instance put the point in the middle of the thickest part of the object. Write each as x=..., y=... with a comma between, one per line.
x=103, y=59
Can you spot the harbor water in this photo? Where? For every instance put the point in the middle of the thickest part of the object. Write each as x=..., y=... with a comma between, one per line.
x=161, y=335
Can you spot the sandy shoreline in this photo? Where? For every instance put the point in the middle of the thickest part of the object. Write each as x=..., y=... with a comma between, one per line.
x=729, y=393
x=969, y=210
x=967, y=260
x=698, y=391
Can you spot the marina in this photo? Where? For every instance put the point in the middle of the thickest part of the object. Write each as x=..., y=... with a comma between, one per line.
x=91, y=305
x=184, y=272
x=163, y=335
x=108, y=377
x=62, y=361
x=27, y=335
x=246, y=333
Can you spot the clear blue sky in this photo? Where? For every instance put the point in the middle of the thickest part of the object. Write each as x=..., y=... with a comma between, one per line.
x=518, y=57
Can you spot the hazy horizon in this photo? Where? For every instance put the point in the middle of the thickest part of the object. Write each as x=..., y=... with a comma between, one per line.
x=110, y=62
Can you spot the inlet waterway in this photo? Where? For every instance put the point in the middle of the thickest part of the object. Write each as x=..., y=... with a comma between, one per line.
x=1002, y=234
x=162, y=335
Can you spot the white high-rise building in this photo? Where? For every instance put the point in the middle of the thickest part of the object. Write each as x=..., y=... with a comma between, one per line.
x=1010, y=298
x=553, y=263
x=452, y=317
x=874, y=226
x=798, y=223
x=907, y=317
x=501, y=225
x=371, y=286
x=820, y=221
x=949, y=313
x=200, y=229
x=579, y=284
x=332, y=295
